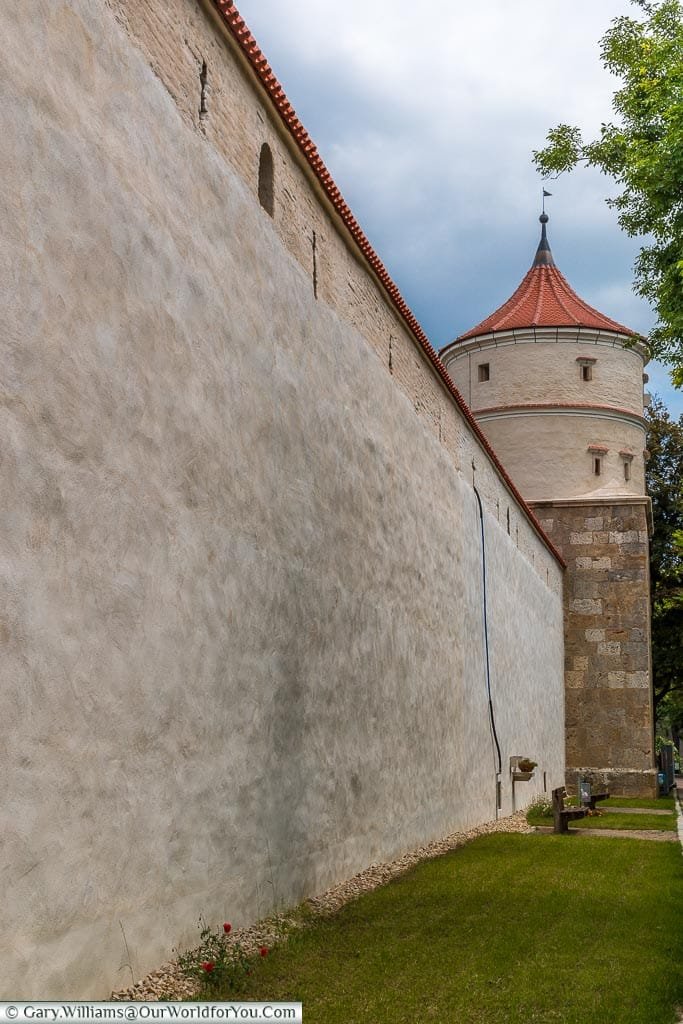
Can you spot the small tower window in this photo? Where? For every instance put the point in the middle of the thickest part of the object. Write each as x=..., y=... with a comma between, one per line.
x=265, y=179
x=597, y=452
x=586, y=367
x=627, y=457
x=483, y=372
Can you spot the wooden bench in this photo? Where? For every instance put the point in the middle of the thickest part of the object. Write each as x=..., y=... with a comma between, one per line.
x=595, y=798
x=588, y=799
x=563, y=815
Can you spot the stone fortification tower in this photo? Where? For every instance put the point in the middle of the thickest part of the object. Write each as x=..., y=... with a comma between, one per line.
x=557, y=387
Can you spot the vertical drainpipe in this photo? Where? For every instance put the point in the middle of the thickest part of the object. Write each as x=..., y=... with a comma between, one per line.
x=498, y=761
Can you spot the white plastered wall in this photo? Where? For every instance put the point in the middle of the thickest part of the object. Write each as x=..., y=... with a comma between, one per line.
x=240, y=576
x=552, y=454
x=529, y=368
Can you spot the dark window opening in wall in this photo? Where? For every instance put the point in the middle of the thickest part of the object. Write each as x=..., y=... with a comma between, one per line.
x=266, y=179
x=203, y=80
x=597, y=465
x=483, y=372
x=586, y=373
x=627, y=469
x=508, y=519
x=315, y=266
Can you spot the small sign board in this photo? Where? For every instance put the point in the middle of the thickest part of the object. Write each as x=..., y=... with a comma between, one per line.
x=585, y=793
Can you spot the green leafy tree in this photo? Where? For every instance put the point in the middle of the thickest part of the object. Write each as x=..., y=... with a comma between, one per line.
x=670, y=715
x=664, y=478
x=643, y=152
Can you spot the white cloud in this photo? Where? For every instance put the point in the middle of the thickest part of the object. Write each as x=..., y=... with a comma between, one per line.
x=426, y=115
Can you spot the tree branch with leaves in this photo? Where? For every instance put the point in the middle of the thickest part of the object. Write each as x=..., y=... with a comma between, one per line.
x=643, y=151
x=664, y=479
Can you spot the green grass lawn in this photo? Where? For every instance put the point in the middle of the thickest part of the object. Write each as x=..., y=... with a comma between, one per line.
x=622, y=820
x=612, y=821
x=511, y=929
x=628, y=821
x=661, y=803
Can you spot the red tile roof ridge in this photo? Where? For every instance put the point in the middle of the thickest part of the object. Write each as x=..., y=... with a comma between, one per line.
x=239, y=31
x=560, y=297
x=539, y=301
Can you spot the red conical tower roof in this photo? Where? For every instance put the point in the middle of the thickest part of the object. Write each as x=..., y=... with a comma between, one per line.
x=544, y=299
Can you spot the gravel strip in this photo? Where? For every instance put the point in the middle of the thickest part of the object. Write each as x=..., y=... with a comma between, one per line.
x=168, y=983
x=615, y=833
x=635, y=810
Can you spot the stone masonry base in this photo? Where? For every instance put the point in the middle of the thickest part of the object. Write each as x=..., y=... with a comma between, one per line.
x=617, y=781
x=608, y=690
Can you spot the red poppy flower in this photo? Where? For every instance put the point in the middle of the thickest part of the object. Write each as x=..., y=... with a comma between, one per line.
x=263, y=951
x=227, y=927
x=208, y=966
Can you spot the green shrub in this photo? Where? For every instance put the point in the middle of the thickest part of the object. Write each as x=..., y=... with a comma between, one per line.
x=540, y=807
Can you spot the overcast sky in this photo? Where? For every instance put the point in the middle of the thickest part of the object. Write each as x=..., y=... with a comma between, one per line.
x=426, y=114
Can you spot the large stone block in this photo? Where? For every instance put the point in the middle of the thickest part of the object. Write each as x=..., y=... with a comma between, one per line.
x=617, y=781
x=586, y=606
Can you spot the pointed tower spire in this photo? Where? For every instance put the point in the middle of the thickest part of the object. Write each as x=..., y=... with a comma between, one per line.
x=543, y=299
x=544, y=257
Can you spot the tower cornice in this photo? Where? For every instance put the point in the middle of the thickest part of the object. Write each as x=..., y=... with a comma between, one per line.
x=560, y=409
x=547, y=335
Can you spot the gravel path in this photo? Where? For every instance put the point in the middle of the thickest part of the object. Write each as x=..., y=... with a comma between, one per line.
x=168, y=983
x=635, y=810
x=655, y=835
